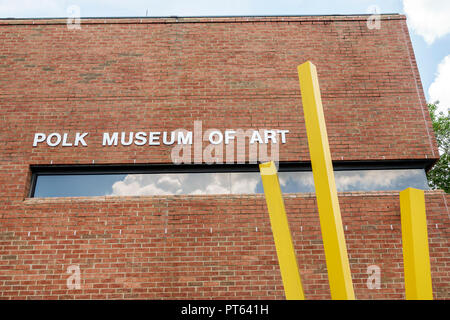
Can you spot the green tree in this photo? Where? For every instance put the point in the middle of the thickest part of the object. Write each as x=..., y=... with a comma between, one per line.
x=439, y=175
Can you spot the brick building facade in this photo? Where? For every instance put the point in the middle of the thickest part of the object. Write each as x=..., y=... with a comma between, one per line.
x=231, y=72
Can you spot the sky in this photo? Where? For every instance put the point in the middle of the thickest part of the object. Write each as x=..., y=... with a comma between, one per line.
x=428, y=22
x=219, y=183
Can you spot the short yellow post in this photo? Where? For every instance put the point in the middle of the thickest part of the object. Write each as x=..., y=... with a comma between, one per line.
x=416, y=256
x=339, y=275
x=281, y=232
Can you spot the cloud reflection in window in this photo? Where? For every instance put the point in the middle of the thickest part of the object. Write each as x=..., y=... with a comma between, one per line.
x=250, y=182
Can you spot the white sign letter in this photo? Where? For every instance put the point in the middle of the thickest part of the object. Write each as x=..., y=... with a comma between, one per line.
x=49, y=139
x=229, y=135
x=219, y=134
x=38, y=137
x=65, y=143
x=80, y=138
x=107, y=140
x=269, y=134
x=256, y=136
x=153, y=140
x=140, y=138
x=283, y=135
x=187, y=139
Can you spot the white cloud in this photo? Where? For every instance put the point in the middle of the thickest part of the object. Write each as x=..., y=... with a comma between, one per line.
x=247, y=183
x=428, y=18
x=440, y=88
x=193, y=183
x=244, y=183
x=366, y=180
x=140, y=185
x=359, y=180
x=214, y=183
x=346, y=180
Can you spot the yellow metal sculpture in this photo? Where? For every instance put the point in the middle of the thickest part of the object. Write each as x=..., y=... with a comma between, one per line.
x=416, y=257
x=281, y=233
x=412, y=205
x=339, y=275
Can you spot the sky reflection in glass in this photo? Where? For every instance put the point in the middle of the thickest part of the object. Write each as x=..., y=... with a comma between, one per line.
x=219, y=183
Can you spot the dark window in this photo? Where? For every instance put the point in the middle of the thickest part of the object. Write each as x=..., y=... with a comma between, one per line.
x=117, y=181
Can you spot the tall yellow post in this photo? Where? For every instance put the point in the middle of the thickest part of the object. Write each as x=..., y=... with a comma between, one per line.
x=281, y=233
x=339, y=275
x=416, y=256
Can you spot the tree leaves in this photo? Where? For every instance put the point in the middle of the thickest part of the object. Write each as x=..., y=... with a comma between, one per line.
x=439, y=175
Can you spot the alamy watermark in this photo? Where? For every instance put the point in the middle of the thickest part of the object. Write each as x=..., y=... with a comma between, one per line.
x=374, y=279
x=74, y=280
x=374, y=20
x=74, y=17
x=214, y=146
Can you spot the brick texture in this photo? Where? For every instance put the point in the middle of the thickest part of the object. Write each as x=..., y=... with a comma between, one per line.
x=130, y=75
x=147, y=74
x=202, y=247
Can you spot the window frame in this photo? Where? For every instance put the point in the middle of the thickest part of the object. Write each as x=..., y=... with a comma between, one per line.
x=165, y=168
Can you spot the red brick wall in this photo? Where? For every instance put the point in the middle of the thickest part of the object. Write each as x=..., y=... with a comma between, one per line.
x=132, y=75
x=214, y=247
x=128, y=75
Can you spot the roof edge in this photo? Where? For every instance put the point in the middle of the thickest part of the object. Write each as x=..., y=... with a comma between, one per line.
x=201, y=19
